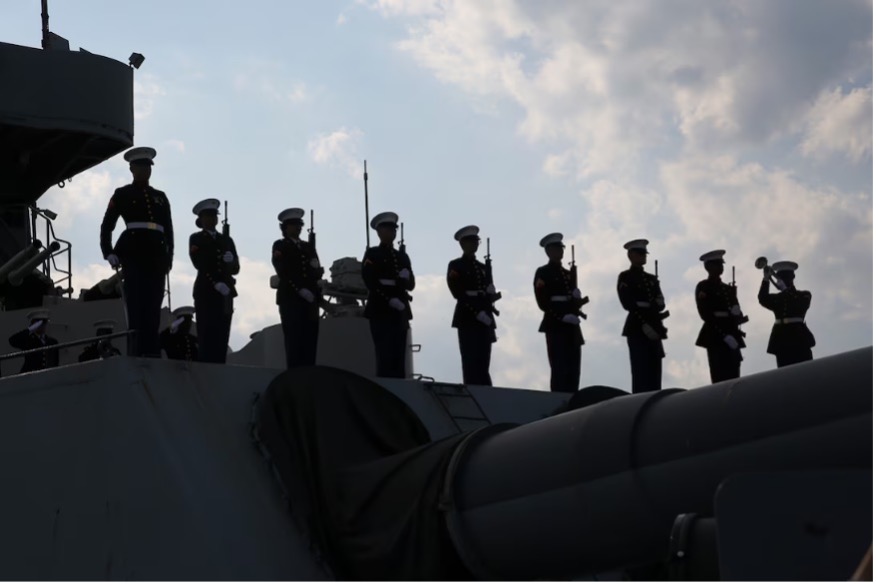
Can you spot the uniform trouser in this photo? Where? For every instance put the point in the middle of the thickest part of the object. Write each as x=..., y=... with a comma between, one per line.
x=213, y=311
x=475, y=349
x=564, y=356
x=723, y=362
x=793, y=357
x=646, y=364
x=390, y=337
x=300, y=333
x=144, y=290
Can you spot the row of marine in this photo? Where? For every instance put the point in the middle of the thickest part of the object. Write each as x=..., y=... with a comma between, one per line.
x=145, y=251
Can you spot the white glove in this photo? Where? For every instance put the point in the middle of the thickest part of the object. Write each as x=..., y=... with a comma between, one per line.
x=650, y=332
x=731, y=341
x=781, y=285
x=223, y=289
x=571, y=319
x=404, y=274
x=114, y=261
x=735, y=310
x=576, y=294
x=35, y=326
x=228, y=256
x=484, y=318
x=306, y=294
x=491, y=289
x=396, y=304
x=176, y=324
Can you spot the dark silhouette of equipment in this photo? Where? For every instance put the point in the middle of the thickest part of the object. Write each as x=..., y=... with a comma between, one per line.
x=16, y=277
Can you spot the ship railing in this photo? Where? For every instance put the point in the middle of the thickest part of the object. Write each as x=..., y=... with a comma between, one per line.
x=65, y=283
x=70, y=344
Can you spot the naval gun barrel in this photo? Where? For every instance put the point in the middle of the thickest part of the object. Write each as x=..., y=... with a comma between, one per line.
x=16, y=277
x=598, y=488
x=20, y=257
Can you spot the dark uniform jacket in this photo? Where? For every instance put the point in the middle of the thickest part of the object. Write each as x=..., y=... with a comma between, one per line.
x=141, y=246
x=715, y=303
x=790, y=304
x=25, y=340
x=179, y=345
x=639, y=293
x=98, y=350
x=380, y=269
x=553, y=293
x=206, y=251
x=297, y=266
x=467, y=280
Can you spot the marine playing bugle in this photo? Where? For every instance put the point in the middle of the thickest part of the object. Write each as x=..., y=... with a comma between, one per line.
x=761, y=263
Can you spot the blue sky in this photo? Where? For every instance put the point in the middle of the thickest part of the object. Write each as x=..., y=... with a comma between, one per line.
x=742, y=125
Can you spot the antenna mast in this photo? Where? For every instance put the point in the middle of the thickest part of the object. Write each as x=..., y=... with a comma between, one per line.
x=367, y=232
x=45, y=24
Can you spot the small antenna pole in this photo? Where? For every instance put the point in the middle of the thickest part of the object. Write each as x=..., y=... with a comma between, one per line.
x=367, y=232
x=45, y=24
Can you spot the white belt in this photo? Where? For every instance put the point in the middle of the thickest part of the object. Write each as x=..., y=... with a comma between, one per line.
x=145, y=226
x=643, y=304
x=475, y=293
x=387, y=282
x=722, y=314
x=560, y=297
x=790, y=320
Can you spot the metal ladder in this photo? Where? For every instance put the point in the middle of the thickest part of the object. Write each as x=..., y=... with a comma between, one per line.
x=459, y=404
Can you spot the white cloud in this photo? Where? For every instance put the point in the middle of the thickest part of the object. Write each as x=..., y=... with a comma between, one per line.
x=147, y=91
x=341, y=20
x=603, y=81
x=840, y=123
x=87, y=193
x=175, y=144
x=268, y=80
x=340, y=148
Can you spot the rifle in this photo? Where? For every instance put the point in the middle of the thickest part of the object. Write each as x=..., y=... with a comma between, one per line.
x=401, y=245
x=311, y=232
x=573, y=268
x=663, y=314
x=227, y=302
x=488, y=261
x=740, y=319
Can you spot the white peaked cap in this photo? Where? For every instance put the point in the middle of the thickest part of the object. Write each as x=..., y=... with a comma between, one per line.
x=184, y=310
x=140, y=155
x=466, y=232
x=291, y=214
x=640, y=244
x=38, y=314
x=713, y=255
x=552, y=238
x=206, y=205
x=784, y=265
x=384, y=218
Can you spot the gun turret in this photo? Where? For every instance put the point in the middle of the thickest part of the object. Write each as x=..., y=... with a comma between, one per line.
x=20, y=258
x=16, y=277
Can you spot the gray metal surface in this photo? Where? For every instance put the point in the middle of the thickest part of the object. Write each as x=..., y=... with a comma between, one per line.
x=137, y=469
x=61, y=112
x=598, y=488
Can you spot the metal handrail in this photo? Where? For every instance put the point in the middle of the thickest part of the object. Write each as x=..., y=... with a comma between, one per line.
x=63, y=345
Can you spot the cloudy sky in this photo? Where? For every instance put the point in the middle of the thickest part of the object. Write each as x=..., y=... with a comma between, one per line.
x=743, y=125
